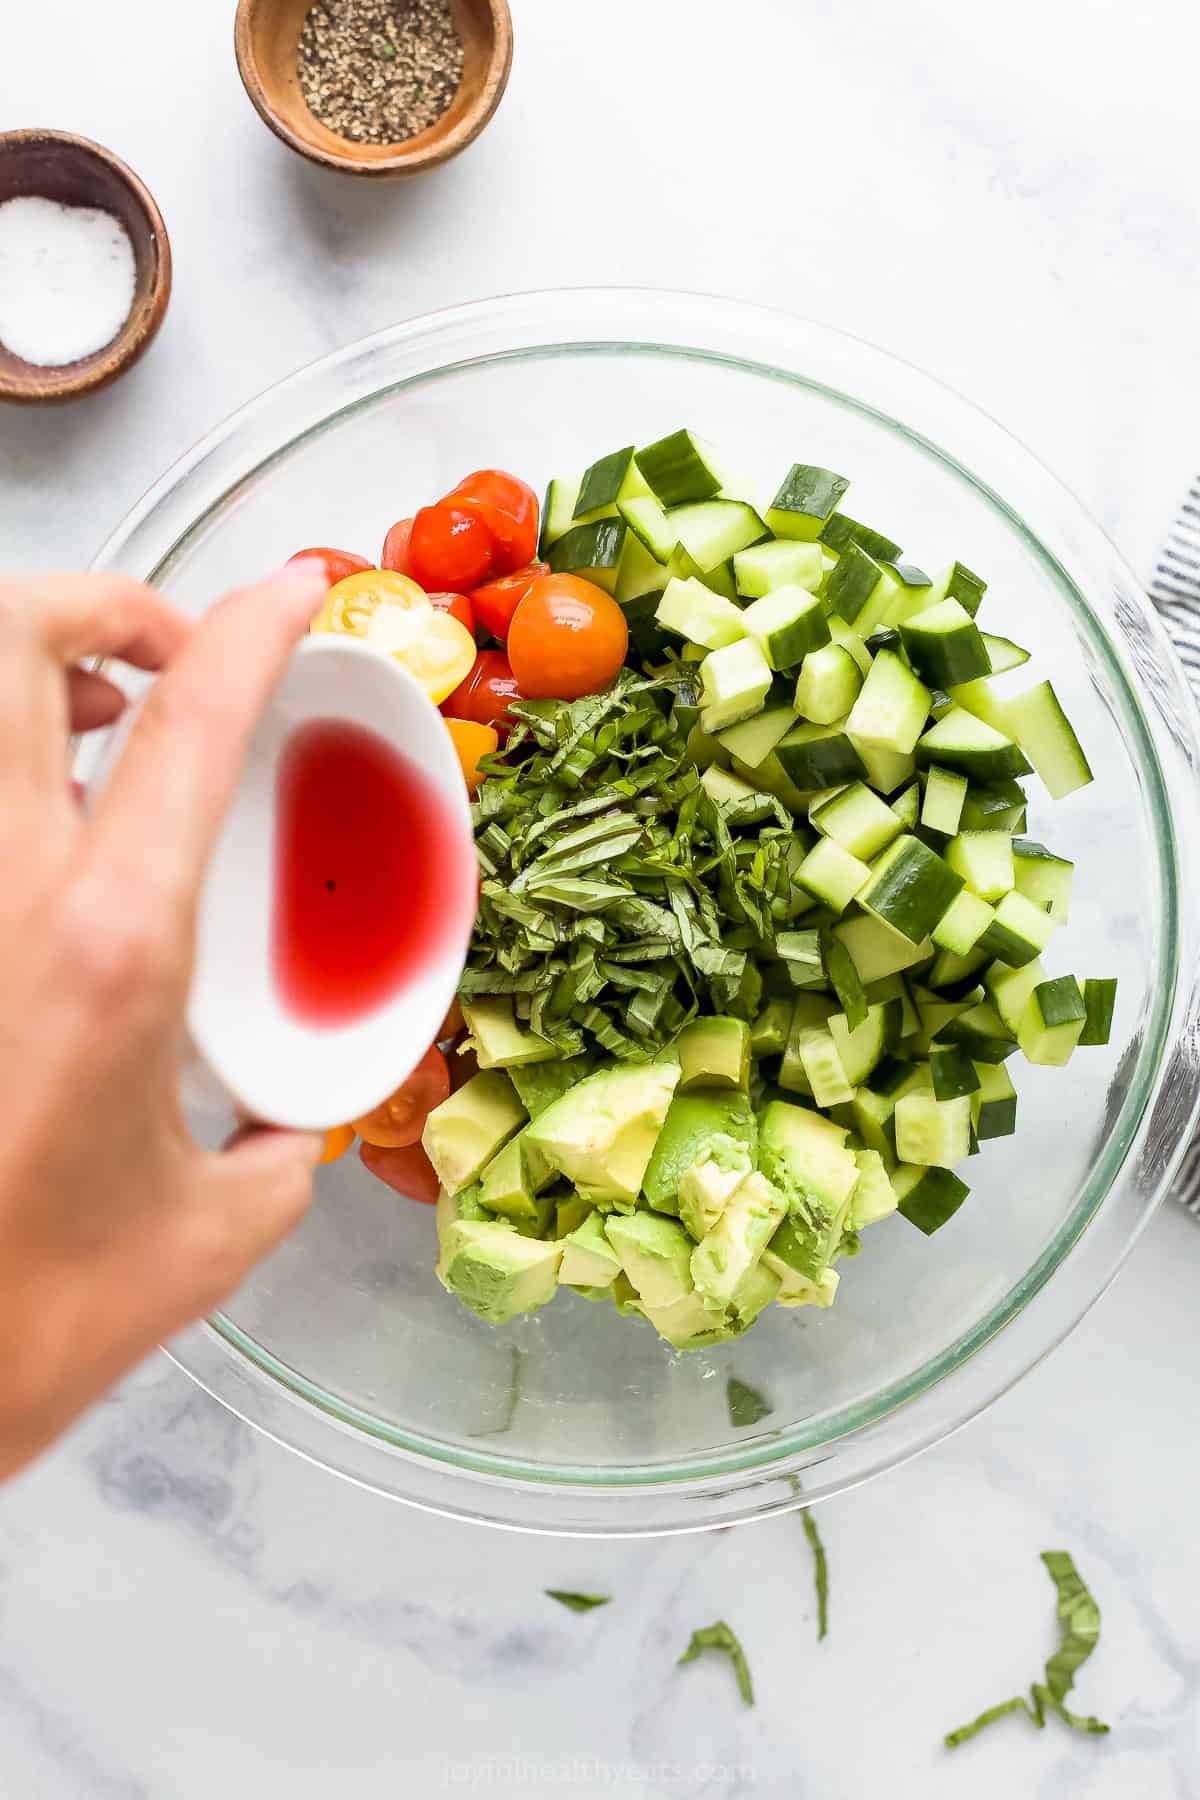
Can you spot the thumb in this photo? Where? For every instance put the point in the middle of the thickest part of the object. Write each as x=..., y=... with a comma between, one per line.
x=255, y=1192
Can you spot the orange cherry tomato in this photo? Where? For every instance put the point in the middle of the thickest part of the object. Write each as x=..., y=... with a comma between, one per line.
x=509, y=509
x=395, y=548
x=472, y=741
x=487, y=692
x=338, y=563
x=405, y=1168
x=337, y=1141
x=497, y=601
x=453, y=1025
x=450, y=548
x=568, y=637
x=400, y=1119
x=459, y=606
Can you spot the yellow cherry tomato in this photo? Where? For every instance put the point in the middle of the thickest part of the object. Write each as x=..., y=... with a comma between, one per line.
x=395, y=616
x=337, y=1141
x=471, y=742
x=352, y=604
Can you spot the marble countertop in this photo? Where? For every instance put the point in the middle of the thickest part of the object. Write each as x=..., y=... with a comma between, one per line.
x=1006, y=195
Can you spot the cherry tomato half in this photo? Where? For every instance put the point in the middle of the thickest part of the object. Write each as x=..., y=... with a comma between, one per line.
x=400, y=1120
x=509, y=508
x=486, y=693
x=497, y=601
x=459, y=606
x=405, y=1168
x=568, y=637
x=338, y=563
x=471, y=741
x=451, y=548
x=395, y=548
x=338, y=1140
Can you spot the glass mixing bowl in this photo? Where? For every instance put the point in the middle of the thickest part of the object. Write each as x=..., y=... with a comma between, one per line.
x=343, y=1345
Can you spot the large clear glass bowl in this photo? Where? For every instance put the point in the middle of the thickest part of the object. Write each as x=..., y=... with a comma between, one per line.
x=343, y=1345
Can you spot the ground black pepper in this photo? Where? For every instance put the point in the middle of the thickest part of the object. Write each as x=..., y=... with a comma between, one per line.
x=379, y=71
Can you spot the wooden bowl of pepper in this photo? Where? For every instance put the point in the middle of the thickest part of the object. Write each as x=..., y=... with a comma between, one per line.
x=375, y=87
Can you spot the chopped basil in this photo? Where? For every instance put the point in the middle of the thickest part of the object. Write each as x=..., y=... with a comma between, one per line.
x=746, y=1405
x=577, y=1602
x=820, y=1571
x=720, y=1637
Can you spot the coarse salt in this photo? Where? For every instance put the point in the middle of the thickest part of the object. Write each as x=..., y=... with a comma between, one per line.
x=67, y=278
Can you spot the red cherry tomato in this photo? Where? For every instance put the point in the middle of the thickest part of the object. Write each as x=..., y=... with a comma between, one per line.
x=459, y=606
x=395, y=548
x=451, y=548
x=463, y=1064
x=509, y=508
x=338, y=563
x=400, y=1119
x=405, y=1168
x=487, y=693
x=568, y=637
x=497, y=601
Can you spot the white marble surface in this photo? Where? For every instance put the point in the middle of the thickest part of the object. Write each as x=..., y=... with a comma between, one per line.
x=1006, y=194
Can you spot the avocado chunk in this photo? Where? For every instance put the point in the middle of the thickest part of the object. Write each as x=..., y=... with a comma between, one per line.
x=725, y=1255
x=514, y=1178
x=453, y=1207
x=693, y=1120
x=713, y=1178
x=569, y=1213
x=463, y=1134
x=602, y=1132
x=495, y=1271
x=538, y=1084
x=798, y=1290
x=806, y=1156
x=687, y=1324
x=588, y=1259
x=497, y=1039
x=874, y=1197
x=655, y=1254
x=754, y=1293
x=714, y=1053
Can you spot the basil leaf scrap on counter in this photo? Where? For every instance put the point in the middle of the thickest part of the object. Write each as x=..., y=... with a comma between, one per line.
x=1079, y=1631
x=746, y=1405
x=721, y=1637
x=577, y=1602
x=820, y=1571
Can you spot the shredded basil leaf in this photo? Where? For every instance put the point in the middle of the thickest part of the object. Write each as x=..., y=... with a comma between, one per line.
x=820, y=1571
x=746, y=1405
x=577, y=1602
x=720, y=1637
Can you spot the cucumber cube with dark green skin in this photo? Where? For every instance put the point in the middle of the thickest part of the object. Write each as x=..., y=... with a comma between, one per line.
x=558, y=510
x=805, y=501
x=953, y=1072
x=840, y=529
x=994, y=1103
x=945, y=794
x=1043, y=877
x=787, y=624
x=858, y=820
x=592, y=551
x=911, y=888
x=1003, y=654
x=852, y=582
x=982, y=1033
x=678, y=469
x=928, y=1197
x=819, y=756
x=961, y=584
x=995, y=807
x=884, y=637
x=605, y=482
x=1052, y=1022
x=1099, y=999
x=780, y=562
x=977, y=750
x=1018, y=933
x=904, y=591
x=944, y=645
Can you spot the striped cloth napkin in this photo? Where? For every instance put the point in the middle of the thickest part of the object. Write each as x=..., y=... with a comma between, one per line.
x=1175, y=590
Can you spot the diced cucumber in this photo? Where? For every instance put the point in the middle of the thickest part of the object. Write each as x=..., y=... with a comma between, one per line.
x=845, y=980
x=726, y=788
x=886, y=770
x=614, y=478
x=818, y=756
x=1053, y=1021
x=984, y=859
x=805, y=500
x=981, y=699
x=874, y=1197
x=994, y=1103
x=955, y=975
x=933, y=1133
x=840, y=529
x=735, y=682
x=712, y=531
x=910, y=888
x=1099, y=999
x=558, y=512
x=892, y=707
x=699, y=615
x=1003, y=654
x=592, y=551
x=944, y=645
x=679, y=468
x=1010, y=990
x=780, y=562
x=884, y=637
x=850, y=586
x=862, y=1049
x=935, y=1013
x=976, y=749
x=963, y=924
x=786, y=624
x=832, y=874
x=769, y=1032
x=753, y=740
x=848, y=639
x=907, y=806
x=892, y=988
x=771, y=776
x=809, y=1013
x=1019, y=932
x=648, y=522
x=904, y=591
x=997, y=807
x=874, y=1105
x=639, y=575
x=858, y=820
x=959, y=583
x=1043, y=877
x=982, y=1033
x=945, y=793
x=953, y=1072
x=877, y=950
x=828, y=683
x=827, y=1079
x=1043, y=731
x=928, y=1197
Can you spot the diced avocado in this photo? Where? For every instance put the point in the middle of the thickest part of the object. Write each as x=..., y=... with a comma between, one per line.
x=693, y=1120
x=687, y=1324
x=463, y=1134
x=624, y=1297
x=714, y=1053
x=655, y=1254
x=707, y=1186
x=540, y=1083
x=569, y=1213
x=725, y=1254
x=769, y=1032
x=453, y=1207
x=753, y=1294
x=514, y=1178
x=588, y=1259
x=806, y=1157
x=874, y=1197
x=735, y=682
x=796, y=1289
x=496, y=1037
x=497, y=1272
x=602, y=1132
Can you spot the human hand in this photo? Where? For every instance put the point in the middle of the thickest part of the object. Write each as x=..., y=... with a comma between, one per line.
x=116, y=1228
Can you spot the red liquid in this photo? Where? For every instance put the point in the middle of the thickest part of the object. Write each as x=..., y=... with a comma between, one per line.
x=371, y=880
